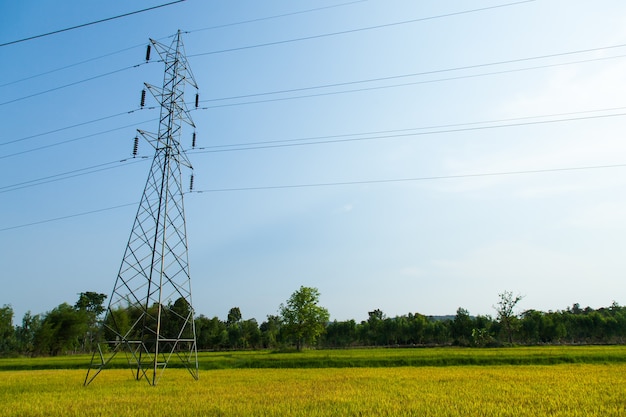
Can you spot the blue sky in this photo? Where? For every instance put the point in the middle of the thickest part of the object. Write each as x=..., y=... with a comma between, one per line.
x=459, y=89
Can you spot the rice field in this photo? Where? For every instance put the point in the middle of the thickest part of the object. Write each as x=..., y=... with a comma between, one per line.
x=491, y=390
x=368, y=358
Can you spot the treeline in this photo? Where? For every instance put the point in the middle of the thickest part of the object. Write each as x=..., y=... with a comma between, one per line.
x=571, y=326
x=74, y=329
x=532, y=327
x=65, y=329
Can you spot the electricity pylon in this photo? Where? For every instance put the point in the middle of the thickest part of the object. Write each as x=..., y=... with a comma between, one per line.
x=150, y=315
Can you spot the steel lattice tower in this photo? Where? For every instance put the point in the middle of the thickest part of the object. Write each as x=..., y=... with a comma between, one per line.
x=150, y=315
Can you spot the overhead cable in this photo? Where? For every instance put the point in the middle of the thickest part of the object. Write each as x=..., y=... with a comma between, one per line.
x=89, y=23
x=50, y=145
x=72, y=174
x=190, y=31
x=348, y=137
x=381, y=134
x=344, y=32
x=460, y=77
x=354, y=82
x=333, y=184
x=68, y=216
x=36, y=135
x=431, y=72
x=431, y=132
x=259, y=19
x=387, y=132
x=30, y=77
x=358, y=82
x=71, y=84
x=273, y=43
x=392, y=180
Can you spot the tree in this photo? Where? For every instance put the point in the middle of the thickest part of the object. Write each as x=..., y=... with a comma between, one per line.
x=25, y=334
x=506, y=315
x=91, y=303
x=250, y=334
x=234, y=328
x=7, y=332
x=61, y=330
x=177, y=320
x=234, y=316
x=462, y=327
x=119, y=318
x=340, y=333
x=303, y=319
x=210, y=333
x=417, y=325
x=372, y=332
x=270, y=331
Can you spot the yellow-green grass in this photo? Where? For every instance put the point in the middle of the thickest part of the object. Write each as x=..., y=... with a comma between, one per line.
x=390, y=357
x=535, y=355
x=536, y=390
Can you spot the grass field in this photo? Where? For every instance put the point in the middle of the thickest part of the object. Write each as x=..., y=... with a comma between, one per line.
x=554, y=390
x=346, y=358
x=544, y=381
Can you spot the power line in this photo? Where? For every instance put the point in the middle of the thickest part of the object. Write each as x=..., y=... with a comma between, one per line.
x=72, y=174
x=344, y=32
x=51, y=145
x=246, y=47
x=448, y=125
x=317, y=140
x=437, y=71
x=274, y=16
x=88, y=24
x=382, y=134
x=460, y=77
x=30, y=77
x=432, y=178
x=190, y=31
x=73, y=83
x=271, y=145
x=360, y=81
x=273, y=43
x=367, y=80
x=72, y=126
x=70, y=216
x=333, y=184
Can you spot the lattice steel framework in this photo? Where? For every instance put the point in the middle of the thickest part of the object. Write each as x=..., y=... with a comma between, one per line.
x=150, y=317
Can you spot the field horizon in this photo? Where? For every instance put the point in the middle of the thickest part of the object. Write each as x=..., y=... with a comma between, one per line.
x=357, y=358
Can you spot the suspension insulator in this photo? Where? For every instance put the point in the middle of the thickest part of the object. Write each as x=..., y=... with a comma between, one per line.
x=143, y=97
x=135, y=146
x=197, y=100
x=148, y=53
x=191, y=183
x=193, y=140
